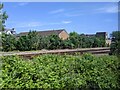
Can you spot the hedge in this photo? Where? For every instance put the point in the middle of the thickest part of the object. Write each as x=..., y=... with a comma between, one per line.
x=61, y=71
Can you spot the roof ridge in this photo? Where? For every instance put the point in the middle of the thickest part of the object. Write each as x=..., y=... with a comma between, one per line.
x=45, y=31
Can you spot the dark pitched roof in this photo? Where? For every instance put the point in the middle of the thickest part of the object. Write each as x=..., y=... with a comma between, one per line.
x=90, y=35
x=101, y=32
x=44, y=33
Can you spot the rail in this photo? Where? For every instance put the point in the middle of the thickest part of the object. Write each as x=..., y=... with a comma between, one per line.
x=30, y=54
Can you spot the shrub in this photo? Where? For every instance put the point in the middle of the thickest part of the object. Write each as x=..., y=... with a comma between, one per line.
x=60, y=71
x=8, y=42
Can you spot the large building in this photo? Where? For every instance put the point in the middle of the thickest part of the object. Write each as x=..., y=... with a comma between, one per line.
x=98, y=34
x=61, y=33
x=103, y=35
x=108, y=42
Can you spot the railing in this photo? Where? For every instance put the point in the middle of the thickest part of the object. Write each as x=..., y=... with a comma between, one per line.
x=30, y=54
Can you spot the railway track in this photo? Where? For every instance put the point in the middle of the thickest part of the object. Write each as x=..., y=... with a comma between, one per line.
x=30, y=54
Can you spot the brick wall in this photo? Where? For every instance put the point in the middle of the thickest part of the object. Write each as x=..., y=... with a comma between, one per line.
x=63, y=35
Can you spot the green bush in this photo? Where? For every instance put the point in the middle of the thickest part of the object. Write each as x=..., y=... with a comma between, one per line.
x=60, y=71
x=33, y=41
x=115, y=45
x=28, y=42
x=8, y=42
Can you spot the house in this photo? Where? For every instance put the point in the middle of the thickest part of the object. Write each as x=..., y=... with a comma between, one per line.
x=61, y=33
x=90, y=35
x=102, y=34
x=9, y=31
x=108, y=42
x=98, y=34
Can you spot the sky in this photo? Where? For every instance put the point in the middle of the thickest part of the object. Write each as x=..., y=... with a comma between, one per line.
x=80, y=17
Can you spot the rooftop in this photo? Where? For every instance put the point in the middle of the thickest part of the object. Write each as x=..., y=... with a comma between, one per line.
x=44, y=33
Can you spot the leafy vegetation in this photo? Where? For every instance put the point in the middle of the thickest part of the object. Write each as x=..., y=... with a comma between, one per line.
x=3, y=18
x=61, y=71
x=115, y=46
x=33, y=41
x=8, y=42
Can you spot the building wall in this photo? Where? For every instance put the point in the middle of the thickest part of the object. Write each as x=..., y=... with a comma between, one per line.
x=63, y=35
x=102, y=34
x=108, y=42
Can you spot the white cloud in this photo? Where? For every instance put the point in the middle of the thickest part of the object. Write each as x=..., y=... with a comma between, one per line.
x=53, y=23
x=66, y=22
x=58, y=23
x=37, y=24
x=28, y=24
x=23, y=4
x=20, y=4
x=57, y=11
x=72, y=15
x=112, y=9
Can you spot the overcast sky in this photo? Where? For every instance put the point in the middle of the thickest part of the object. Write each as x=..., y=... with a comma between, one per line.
x=80, y=17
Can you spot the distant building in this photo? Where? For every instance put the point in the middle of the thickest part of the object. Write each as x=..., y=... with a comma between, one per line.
x=105, y=36
x=9, y=31
x=98, y=34
x=108, y=42
x=61, y=33
x=90, y=35
x=102, y=34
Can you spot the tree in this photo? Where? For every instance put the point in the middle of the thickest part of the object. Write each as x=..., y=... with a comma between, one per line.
x=33, y=40
x=3, y=18
x=97, y=42
x=54, y=42
x=115, y=45
x=44, y=42
x=28, y=42
x=74, y=39
x=8, y=42
x=66, y=44
x=23, y=43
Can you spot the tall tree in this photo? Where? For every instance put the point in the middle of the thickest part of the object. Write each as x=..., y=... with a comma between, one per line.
x=3, y=17
x=8, y=42
x=74, y=38
x=115, y=46
x=54, y=42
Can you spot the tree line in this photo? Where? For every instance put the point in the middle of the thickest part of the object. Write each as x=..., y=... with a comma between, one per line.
x=33, y=41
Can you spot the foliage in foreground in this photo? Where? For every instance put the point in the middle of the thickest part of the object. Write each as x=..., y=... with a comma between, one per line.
x=60, y=71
